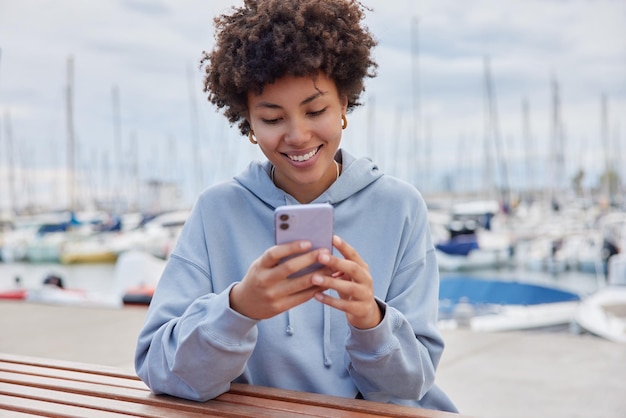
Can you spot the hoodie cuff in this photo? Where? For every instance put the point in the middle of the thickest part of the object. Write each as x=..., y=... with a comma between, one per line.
x=375, y=339
x=226, y=324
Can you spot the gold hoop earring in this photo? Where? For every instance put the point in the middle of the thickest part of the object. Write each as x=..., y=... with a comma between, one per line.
x=344, y=122
x=251, y=137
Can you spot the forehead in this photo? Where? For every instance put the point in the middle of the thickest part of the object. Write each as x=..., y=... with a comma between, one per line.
x=292, y=88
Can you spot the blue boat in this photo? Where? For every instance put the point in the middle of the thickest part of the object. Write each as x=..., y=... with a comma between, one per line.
x=498, y=305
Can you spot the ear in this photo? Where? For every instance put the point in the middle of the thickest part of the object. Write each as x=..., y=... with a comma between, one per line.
x=344, y=104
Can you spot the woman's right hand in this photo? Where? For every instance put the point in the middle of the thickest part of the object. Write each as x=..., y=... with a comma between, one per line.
x=265, y=290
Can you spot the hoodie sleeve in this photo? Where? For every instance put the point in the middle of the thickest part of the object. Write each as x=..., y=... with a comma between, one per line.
x=192, y=344
x=396, y=361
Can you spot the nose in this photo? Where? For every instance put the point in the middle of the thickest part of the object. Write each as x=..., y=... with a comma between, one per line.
x=298, y=132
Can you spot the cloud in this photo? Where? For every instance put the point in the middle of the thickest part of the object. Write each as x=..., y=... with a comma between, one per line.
x=149, y=50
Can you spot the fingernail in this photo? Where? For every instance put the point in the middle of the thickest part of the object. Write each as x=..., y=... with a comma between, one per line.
x=317, y=279
x=324, y=258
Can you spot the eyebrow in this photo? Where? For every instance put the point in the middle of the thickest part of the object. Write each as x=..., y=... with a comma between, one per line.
x=305, y=101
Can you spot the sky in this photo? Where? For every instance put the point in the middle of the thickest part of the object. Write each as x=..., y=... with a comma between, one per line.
x=446, y=111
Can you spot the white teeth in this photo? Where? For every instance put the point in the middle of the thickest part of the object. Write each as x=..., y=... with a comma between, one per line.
x=303, y=157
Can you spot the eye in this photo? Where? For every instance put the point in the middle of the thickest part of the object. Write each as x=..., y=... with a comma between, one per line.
x=271, y=121
x=317, y=112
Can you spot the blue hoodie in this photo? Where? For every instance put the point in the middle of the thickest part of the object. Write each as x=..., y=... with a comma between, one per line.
x=193, y=345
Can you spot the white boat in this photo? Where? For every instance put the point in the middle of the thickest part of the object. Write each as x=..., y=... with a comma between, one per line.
x=52, y=291
x=482, y=249
x=92, y=249
x=488, y=305
x=73, y=297
x=157, y=236
x=465, y=237
x=603, y=313
x=46, y=248
x=136, y=276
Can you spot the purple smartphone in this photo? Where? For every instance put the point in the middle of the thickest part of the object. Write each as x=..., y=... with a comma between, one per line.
x=312, y=222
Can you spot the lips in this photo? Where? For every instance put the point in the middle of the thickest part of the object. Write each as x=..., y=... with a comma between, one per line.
x=303, y=157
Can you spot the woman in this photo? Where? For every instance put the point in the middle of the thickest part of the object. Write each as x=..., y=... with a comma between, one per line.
x=288, y=72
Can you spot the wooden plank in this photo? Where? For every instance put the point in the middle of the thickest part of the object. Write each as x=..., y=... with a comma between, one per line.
x=104, y=404
x=68, y=365
x=78, y=376
x=336, y=402
x=52, y=409
x=13, y=414
x=290, y=407
x=63, y=385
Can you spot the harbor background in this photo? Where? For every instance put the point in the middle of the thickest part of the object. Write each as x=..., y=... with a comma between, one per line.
x=518, y=103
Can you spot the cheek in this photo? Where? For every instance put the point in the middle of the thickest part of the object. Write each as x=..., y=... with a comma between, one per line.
x=329, y=129
x=268, y=137
x=331, y=133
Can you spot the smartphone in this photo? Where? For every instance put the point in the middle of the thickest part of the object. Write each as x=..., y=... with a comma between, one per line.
x=312, y=222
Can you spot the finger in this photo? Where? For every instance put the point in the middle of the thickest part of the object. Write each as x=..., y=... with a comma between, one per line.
x=347, y=250
x=345, y=268
x=275, y=254
x=362, y=314
x=308, y=262
x=345, y=288
x=296, y=295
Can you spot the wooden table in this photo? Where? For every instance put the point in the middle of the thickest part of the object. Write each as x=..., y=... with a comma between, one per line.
x=53, y=388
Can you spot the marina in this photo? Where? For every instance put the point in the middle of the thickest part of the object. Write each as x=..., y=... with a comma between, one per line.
x=106, y=255
x=512, y=348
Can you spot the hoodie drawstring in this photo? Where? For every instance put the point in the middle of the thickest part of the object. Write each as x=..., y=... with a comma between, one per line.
x=327, y=359
x=326, y=337
x=289, y=329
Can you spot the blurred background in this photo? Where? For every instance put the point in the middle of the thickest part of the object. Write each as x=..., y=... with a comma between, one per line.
x=102, y=103
x=509, y=117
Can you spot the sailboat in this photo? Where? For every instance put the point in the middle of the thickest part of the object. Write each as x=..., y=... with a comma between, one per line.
x=472, y=242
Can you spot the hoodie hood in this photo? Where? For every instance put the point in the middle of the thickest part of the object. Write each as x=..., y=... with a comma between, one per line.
x=356, y=174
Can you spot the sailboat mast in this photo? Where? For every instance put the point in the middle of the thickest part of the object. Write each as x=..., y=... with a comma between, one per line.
x=195, y=135
x=10, y=161
x=370, y=126
x=493, y=131
x=414, y=167
x=117, y=152
x=528, y=146
x=558, y=159
x=70, y=134
x=606, y=144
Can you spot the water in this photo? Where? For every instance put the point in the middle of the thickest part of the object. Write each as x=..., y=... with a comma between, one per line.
x=100, y=278
x=97, y=278
x=574, y=281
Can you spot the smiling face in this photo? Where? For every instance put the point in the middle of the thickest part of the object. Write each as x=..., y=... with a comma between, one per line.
x=297, y=123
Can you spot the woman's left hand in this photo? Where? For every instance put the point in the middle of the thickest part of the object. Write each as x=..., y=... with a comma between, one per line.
x=353, y=283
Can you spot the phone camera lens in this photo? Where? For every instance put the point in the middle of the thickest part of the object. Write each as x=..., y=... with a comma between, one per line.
x=284, y=217
x=284, y=226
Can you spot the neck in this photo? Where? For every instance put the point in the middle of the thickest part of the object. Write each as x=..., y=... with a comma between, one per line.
x=305, y=193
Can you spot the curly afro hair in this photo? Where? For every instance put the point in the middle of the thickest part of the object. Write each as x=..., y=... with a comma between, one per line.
x=265, y=40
